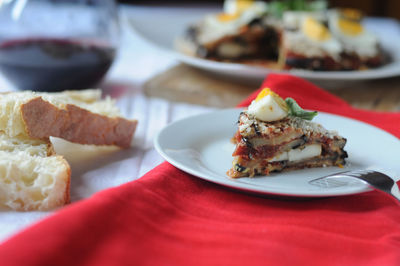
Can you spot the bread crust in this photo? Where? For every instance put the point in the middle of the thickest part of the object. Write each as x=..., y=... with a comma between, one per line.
x=42, y=120
x=61, y=199
x=50, y=148
x=67, y=194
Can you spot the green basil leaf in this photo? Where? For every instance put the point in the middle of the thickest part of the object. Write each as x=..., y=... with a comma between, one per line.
x=296, y=110
x=278, y=7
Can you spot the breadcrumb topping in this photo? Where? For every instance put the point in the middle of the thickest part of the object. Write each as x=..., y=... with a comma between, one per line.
x=250, y=126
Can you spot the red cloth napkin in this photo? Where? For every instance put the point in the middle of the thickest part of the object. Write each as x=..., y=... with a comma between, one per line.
x=169, y=217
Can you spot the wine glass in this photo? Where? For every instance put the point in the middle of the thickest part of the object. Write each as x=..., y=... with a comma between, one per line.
x=55, y=45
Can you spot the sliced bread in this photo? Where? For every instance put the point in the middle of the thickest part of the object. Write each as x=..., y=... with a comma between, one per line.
x=32, y=177
x=79, y=116
x=33, y=147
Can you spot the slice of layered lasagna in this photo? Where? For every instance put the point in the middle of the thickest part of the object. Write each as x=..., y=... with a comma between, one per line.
x=274, y=135
x=308, y=43
x=241, y=34
x=361, y=47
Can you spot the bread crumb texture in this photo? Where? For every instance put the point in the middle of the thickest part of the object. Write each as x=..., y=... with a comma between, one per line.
x=33, y=182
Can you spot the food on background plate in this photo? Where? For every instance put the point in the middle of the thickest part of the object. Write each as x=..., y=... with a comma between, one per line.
x=308, y=44
x=276, y=36
x=361, y=49
x=276, y=135
x=32, y=176
x=241, y=34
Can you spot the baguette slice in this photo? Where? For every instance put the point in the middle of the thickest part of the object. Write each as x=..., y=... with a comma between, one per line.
x=32, y=177
x=78, y=116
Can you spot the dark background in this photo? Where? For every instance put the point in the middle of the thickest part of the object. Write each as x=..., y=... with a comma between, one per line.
x=380, y=8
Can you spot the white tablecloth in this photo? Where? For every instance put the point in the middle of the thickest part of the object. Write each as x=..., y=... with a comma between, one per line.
x=95, y=169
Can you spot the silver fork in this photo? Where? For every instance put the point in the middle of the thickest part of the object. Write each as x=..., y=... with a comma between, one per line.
x=373, y=178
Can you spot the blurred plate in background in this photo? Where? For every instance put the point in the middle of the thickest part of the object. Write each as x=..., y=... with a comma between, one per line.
x=168, y=23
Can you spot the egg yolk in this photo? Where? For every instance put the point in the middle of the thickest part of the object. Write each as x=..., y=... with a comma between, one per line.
x=267, y=91
x=225, y=17
x=351, y=13
x=350, y=27
x=238, y=7
x=315, y=30
x=263, y=93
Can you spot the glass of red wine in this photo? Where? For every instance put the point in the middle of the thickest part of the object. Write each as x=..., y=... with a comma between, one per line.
x=55, y=45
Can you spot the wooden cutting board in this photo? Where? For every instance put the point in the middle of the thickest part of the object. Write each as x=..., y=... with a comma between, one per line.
x=186, y=84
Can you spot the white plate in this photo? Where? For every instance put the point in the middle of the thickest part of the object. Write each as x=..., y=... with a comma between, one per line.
x=200, y=145
x=167, y=24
